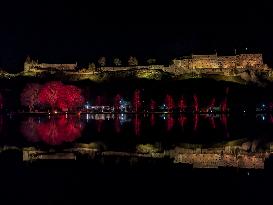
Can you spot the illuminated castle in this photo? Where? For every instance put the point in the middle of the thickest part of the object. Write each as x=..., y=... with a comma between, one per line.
x=225, y=62
x=198, y=64
x=32, y=65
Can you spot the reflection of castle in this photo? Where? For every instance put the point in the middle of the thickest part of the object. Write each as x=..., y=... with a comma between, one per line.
x=212, y=157
x=210, y=64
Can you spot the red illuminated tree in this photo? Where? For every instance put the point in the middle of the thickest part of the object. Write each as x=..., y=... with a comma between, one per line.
x=152, y=105
x=73, y=97
x=211, y=104
x=1, y=102
x=137, y=101
x=30, y=95
x=223, y=105
x=117, y=102
x=99, y=101
x=195, y=103
x=169, y=102
x=182, y=104
x=50, y=94
x=61, y=96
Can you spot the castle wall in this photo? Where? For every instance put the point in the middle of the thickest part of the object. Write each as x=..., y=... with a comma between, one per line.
x=249, y=60
x=56, y=66
x=204, y=61
x=227, y=61
x=34, y=66
x=224, y=62
x=195, y=64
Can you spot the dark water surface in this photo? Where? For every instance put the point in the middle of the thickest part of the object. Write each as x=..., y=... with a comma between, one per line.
x=124, y=130
x=136, y=158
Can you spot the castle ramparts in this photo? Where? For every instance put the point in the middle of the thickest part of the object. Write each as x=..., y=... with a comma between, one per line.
x=195, y=64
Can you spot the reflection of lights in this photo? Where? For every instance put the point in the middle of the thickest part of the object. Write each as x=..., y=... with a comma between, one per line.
x=244, y=111
x=66, y=116
x=263, y=117
x=55, y=112
x=87, y=117
x=164, y=118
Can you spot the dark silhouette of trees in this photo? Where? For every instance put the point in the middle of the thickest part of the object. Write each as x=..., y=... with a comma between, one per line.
x=132, y=61
x=102, y=61
x=117, y=62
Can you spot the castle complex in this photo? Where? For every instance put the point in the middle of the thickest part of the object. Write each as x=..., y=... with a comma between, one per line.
x=197, y=64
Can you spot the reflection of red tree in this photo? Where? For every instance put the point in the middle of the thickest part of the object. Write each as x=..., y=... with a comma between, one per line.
x=152, y=119
x=137, y=125
x=271, y=118
x=1, y=124
x=117, y=124
x=223, y=119
x=99, y=123
x=196, y=121
x=29, y=129
x=224, y=105
x=53, y=132
x=212, y=122
x=182, y=120
x=170, y=122
x=1, y=102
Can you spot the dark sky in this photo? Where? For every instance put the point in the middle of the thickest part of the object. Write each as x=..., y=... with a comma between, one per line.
x=65, y=33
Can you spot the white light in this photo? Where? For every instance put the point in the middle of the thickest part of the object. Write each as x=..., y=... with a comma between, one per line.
x=263, y=117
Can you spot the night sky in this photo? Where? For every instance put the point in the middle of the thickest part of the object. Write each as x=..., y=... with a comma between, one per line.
x=67, y=33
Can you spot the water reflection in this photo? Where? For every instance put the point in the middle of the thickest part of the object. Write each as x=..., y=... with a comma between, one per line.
x=57, y=130
x=137, y=125
x=53, y=131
